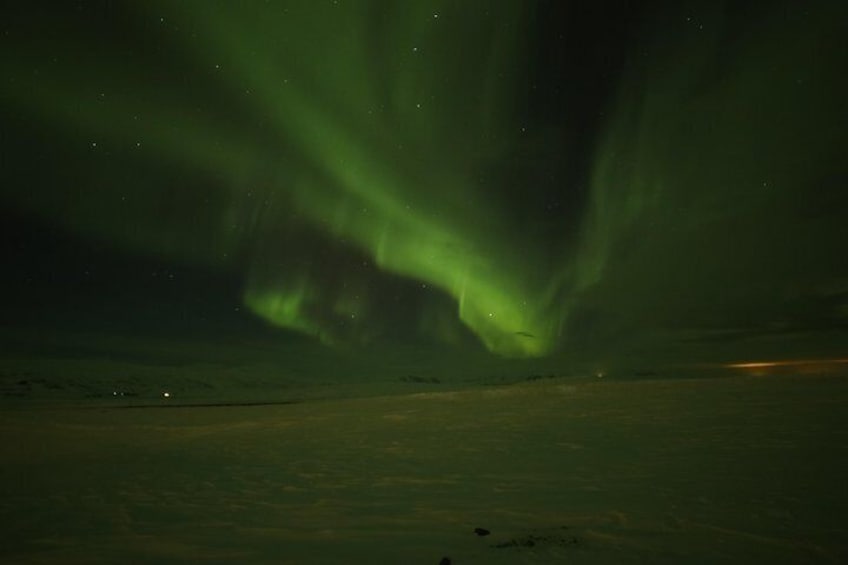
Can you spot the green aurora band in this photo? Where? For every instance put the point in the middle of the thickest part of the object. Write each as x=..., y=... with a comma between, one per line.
x=331, y=149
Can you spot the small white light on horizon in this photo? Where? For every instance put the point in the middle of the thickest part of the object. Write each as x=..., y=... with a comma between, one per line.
x=166, y=394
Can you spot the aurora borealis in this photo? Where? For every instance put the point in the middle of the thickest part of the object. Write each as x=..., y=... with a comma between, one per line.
x=533, y=179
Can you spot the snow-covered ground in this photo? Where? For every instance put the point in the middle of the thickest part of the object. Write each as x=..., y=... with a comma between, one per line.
x=725, y=470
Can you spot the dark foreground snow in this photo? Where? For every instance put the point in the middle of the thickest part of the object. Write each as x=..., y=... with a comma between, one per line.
x=731, y=470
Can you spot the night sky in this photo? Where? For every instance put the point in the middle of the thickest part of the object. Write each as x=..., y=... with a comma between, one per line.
x=562, y=183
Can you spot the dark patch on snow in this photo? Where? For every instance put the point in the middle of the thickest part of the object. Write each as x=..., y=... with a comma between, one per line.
x=423, y=380
x=535, y=538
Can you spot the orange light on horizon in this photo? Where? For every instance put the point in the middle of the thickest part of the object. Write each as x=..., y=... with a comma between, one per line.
x=785, y=363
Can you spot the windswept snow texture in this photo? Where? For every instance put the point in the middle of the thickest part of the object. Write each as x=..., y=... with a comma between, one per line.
x=732, y=470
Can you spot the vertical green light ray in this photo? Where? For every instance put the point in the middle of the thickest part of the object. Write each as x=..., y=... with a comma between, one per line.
x=706, y=163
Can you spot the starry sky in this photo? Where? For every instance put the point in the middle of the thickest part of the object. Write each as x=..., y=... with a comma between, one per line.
x=510, y=181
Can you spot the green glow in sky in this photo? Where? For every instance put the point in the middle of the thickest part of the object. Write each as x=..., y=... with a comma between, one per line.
x=344, y=158
x=389, y=163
